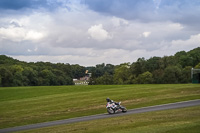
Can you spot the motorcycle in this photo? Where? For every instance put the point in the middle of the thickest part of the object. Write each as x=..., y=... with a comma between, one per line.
x=113, y=108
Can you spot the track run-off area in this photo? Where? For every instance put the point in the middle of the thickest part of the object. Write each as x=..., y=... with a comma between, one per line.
x=101, y=116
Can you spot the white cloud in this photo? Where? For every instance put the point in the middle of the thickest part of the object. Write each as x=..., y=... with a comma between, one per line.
x=146, y=34
x=176, y=26
x=18, y=34
x=98, y=33
x=192, y=42
x=91, y=57
x=29, y=50
x=33, y=35
x=24, y=28
x=119, y=21
x=74, y=34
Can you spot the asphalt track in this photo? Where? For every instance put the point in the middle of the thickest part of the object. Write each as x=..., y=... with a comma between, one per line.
x=101, y=116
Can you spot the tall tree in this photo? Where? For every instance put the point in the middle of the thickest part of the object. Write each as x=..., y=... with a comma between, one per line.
x=152, y=64
x=78, y=71
x=122, y=74
x=30, y=76
x=17, y=75
x=138, y=67
x=184, y=59
x=46, y=77
x=144, y=78
x=6, y=76
x=195, y=55
x=172, y=74
x=186, y=75
x=106, y=79
x=0, y=80
x=158, y=76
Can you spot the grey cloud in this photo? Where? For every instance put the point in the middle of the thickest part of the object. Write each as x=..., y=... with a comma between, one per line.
x=133, y=29
x=181, y=11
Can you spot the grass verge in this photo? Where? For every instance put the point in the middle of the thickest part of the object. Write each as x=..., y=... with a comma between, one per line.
x=29, y=105
x=184, y=120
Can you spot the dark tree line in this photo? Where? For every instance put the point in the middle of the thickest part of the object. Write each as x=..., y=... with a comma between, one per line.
x=157, y=70
x=18, y=73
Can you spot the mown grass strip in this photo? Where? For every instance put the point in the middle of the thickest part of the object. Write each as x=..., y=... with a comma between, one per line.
x=182, y=120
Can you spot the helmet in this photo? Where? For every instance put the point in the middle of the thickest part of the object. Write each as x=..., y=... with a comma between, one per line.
x=108, y=99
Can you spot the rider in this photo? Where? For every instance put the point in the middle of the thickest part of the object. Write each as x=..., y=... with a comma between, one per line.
x=111, y=101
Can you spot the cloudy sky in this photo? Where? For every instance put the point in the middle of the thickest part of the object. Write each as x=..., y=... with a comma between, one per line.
x=90, y=32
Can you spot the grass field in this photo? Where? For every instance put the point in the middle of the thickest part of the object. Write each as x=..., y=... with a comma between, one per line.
x=28, y=105
x=184, y=120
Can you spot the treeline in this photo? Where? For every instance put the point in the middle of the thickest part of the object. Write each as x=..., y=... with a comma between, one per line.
x=18, y=73
x=156, y=70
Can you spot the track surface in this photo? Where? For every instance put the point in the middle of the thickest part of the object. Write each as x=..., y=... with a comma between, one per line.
x=101, y=116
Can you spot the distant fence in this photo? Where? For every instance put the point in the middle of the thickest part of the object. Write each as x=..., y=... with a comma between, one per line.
x=82, y=83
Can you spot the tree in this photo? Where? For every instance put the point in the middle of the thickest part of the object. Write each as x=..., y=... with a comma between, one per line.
x=46, y=77
x=99, y=70
x=167, y=61
x=158, y=76
x=0, y=80
x=172, y=74
x=6, y=76
x=109, y=68
x=197, y=66
x=152, y=64
x=60, y=78
x=186, y=75
x=30, y=76
x=184, y=59
x=69, y=80
x=78, y=71
x=144, y=78
x=122, y=74
x=17, y=75
x=168, y=69
x=66, y=68
x=180, y=53
x=138, y=67
x=106, y=79
x=8, y=60
x=195, y=55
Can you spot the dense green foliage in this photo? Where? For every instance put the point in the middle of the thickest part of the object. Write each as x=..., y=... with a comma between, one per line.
x=18, y=73
x=159, y=70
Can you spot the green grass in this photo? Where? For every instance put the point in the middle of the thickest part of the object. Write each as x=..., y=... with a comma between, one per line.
x=184, y=120
x=28, y=105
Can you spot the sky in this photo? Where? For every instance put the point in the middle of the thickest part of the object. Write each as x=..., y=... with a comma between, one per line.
x=91, y=32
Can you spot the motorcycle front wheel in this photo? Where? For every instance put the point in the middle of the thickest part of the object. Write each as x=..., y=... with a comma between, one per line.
x=124, y=110
x=110, y=111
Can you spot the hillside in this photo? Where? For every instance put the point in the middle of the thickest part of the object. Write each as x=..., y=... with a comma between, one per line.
x=156, y=70
x=28, y=105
